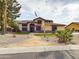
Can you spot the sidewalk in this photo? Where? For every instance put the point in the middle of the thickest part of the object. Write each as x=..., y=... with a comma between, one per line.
x=37, y=49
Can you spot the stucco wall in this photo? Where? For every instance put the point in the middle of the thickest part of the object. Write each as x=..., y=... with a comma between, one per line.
x=60, y=28
x=42, y=24
x=45, y=26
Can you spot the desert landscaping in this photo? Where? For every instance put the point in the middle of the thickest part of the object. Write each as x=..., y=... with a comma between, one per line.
x=28, y=40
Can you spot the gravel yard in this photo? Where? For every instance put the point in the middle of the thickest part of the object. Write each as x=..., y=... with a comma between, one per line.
x=22, y=41
x=31, y=40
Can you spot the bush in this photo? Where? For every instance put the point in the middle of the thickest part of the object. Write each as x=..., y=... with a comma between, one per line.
x=65, y=36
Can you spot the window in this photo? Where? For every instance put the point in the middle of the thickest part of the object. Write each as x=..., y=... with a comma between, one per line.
x=24, y=24
x=24, y=29
x=39, y=22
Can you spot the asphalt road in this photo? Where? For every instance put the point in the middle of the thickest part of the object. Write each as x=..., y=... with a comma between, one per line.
x=43, y=55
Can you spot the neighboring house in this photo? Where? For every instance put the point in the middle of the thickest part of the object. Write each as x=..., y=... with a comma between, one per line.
x=73, y=25
x=38, y=25
x=59, y=26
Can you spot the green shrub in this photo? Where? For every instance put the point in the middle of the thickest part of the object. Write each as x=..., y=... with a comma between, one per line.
x=65, y=36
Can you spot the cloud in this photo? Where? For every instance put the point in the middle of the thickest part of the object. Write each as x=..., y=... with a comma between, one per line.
x=61, y=11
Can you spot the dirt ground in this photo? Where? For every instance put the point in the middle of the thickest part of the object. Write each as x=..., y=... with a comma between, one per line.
x=30, y=40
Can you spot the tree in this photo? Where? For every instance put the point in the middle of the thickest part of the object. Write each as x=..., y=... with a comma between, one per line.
x=9, y=10
x=65, y=36
x=13, y=9
x=13, y=25
x=1, y=13
x=13, y=12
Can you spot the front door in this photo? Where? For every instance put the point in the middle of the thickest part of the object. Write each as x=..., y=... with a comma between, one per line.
x=38, y=28
x=32, y=27
x=54, y=28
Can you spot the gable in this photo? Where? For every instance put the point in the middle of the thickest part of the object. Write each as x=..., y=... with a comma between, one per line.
x=39, y=18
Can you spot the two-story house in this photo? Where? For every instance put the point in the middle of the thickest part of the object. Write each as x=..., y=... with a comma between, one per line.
x=37, y=25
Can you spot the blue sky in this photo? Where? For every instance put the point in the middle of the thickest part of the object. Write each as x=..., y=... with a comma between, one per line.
x=60, y=11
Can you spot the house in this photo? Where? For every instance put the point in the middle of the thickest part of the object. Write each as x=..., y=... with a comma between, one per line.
x=38, y=25
x=60, y=27
x=73, y=25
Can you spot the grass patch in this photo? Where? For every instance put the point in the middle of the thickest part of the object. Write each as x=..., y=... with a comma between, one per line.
x=22, y=32
x=45, y=34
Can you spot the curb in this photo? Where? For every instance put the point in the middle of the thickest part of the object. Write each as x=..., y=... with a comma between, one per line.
x=37, y=49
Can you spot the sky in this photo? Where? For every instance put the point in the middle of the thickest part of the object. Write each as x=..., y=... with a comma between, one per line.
x=60, y=11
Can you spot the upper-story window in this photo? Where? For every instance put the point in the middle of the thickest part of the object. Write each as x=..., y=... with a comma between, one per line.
x=24, y=24
x=39, y=22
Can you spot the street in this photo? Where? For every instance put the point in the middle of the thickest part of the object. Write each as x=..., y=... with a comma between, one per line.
x=43, y=55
